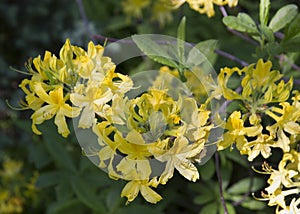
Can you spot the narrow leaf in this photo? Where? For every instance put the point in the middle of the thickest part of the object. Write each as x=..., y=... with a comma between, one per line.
x=253, y=204
x=293, y=29
x=264, y=9
x=283, y=16
x=181, y=39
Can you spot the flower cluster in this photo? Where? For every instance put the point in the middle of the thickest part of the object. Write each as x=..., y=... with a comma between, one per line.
x=284, y=184
x=161, y=10
x=205, y=6
x=15, y=190
x=87, y=79
x=259, y=93
x=141, y=139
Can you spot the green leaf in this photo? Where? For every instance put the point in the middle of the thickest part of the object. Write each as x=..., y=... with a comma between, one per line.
x=73, y=206
x=47, y=179
x=264, y=8
x=64, y=189
x=54, y=144
x=207, y=170
x=235, y=156
x=154, y=51
x=59, y=153
x=242, y=186
x=291, y=45
x=267, y=33
x=230, y=209
x=243, y=23
x=211, y=208
x=39, y=155
x=181, y=40
x=86, y=194
x=293, y=29
x=204, y=198
x=283, y=16
x=201, y=52
x=253, y=204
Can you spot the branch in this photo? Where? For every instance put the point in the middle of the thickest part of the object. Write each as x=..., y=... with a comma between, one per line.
x=84, y=18
x=220, y=183
x=231, y=57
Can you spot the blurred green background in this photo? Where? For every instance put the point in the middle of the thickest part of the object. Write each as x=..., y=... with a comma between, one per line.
x=65, y=180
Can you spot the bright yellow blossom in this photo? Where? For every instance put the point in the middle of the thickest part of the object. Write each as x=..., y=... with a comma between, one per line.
x=56, y=106
x=204, y=6
x=132, y=189
x=284, y=183
x=134, y=8
x=236, y=132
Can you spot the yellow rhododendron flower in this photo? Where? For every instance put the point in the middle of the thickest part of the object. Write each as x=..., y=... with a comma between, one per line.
x=205, y=6
x=132, y=189
x=286, y=122
x=134, y=7
x=155, y=126
x=258, y=84
x=92, y=102
x=284, y=183
x=179, y=157
x=236, y=132
x=56, y=106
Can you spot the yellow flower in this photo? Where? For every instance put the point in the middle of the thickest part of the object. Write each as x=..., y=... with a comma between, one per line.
x=92, y=102
x=11, y=168
x=262, y=145
x=236, y=132
x=204, y=6
x=134, y=8
x=56, y=106
x=286, y=122
x=179, y=157
x=132, y=189
x=293, y=208
x=284, y=183
x=161, y=12
x=258, y=86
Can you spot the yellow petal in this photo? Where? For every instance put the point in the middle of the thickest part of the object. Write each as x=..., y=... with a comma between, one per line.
x=149, y=194
x=131, y=190
x=60, y=122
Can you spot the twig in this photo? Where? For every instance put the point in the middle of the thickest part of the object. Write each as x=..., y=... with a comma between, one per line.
x=231, y=57
x=220, y=183
x=84, y=18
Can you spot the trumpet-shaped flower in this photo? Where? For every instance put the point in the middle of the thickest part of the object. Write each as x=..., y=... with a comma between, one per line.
x=56, y=106
x=204, y=6
x=132, y=189
x=284, y=183
x=92, y=102
x=237, y=132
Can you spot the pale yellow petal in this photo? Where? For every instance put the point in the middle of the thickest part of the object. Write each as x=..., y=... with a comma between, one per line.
x=60, y=122
x=131, y=190
x=149, y=194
